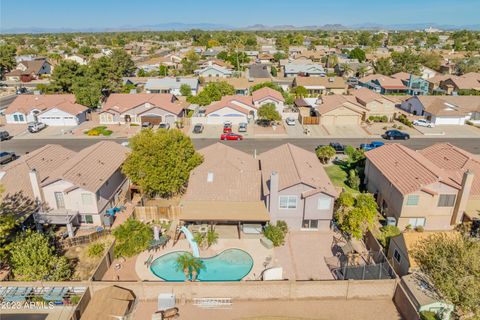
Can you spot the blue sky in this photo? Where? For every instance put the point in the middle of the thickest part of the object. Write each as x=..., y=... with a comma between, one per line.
x=239, y=13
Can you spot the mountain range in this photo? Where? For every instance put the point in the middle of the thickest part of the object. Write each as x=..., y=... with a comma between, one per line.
x=177, y=26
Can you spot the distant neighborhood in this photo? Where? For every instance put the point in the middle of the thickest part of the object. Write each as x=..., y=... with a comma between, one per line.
x=172, y=174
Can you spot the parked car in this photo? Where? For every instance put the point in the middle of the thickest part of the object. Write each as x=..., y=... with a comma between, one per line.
x=242, y=127
x=227, y=123
x=231, y=136
x=4, y=135
x=164, y=126
x=227, y=128
x=372, y=145
x=198, y=128
x=21, y=90
x=339, y=148
x=147, y=125
x=396, y=135
x=423, y=123
x=34, y=127
x=290, y=121
x=6, y=157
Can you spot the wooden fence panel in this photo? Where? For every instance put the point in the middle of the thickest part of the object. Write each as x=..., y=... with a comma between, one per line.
x=154, y=213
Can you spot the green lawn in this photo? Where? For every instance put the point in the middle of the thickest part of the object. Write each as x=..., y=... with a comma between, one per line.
x=338, y=176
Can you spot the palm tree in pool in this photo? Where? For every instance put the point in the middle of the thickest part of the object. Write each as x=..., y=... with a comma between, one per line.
x=190, y=265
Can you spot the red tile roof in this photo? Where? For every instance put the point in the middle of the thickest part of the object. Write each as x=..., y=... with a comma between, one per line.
x=27, y=102
x=121, y=102
x=267, y=92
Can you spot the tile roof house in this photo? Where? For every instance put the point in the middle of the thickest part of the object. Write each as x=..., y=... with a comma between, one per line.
x=322, y=85
x=29, y=69
x=445, y=110
x=77, y=187
x=383, y=84
x=340, y=110
x=268, y=95
x=213, y=70
x=51, y=109
x=297, y=188
x=171, y=85
x=377, y=104
x=468, y=81
x=301, y=69
x=138, y=108
x=226, y=187
x=417, y=189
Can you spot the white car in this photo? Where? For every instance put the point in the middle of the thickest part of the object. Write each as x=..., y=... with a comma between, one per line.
x=290, y=121
x=34, y=127
x=423, y=123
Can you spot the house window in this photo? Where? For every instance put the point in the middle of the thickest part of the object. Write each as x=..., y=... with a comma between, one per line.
x=446, y=200
x=18, y=117
x=87, y=199
x=396, y=255
x=310, y=224
x=324, y=203
x=59, y=200
x=416, y=222
x=412, y=200
x=87, y=218
x=288, y=202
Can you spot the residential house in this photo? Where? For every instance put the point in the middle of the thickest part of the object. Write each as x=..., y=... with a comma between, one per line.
x=415, y=85
x=251, y=53
x=236, y=109
x=297, y=189
x=241, y=85
x=225, y=189
x=402, y=246
x=383, y=84
x=138, y=108
x=77, y=188
x=321, y=85
x=28, y=70
x=257, y=70
x=353, y=69
x=171, y=85
x=313, y=55
x=376, y=104
x=468, y=81
x=265, y=58
x=340, y=110
x=78, y=58
x=306, y=70
x=268, y=95
x=434, y=84
x=430, y=188
x=51, y=109
x=213, y=70
x=445, y=110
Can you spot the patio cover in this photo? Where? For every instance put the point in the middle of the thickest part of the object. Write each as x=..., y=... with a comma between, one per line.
x=224, y=211
x=109, y=303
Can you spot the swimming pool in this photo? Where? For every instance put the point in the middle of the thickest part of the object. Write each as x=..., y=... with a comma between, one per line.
x=229, y=265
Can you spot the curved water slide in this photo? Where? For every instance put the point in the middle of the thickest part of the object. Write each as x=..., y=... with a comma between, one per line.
x=192, y=242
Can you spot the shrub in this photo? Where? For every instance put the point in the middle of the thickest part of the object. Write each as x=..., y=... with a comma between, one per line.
x=325, y=153
x=134, y=125
x=132, y=237
x=428, y=315
x=400, y=127
x=74, y=299
x=382, y=119
x=385, y=128
x=386, y=233
x=419, y=229
x=394, y=126
x=470, y=123
x=101, y=130
x=353, y=180
x=276, y=233
x=95, y=250
x=403, y=119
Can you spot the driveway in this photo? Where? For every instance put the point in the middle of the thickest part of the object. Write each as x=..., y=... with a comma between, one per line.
x=48, y=132
x=14, y=129
x=451, y=131
x=348, y=131
x=303, y=255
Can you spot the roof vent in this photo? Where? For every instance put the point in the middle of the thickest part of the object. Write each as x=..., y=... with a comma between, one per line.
x=331, y=79
x=210, y=177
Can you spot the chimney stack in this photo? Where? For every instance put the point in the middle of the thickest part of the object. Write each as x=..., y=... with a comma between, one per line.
x=35, y=183
x=462, y=197
x=273, y=191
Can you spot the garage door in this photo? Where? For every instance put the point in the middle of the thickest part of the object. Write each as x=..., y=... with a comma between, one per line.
x=170, y=119
x=328, y=120
x=58, y=121
x=340, y=120
x=449, y=120
x=235, y=119
x=152, y=119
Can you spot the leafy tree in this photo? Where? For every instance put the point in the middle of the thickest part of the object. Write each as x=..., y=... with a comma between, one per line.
x=7, y=58
x=33, y=258
x=65, y=74
x=325, y=153
x=356, y=219
x=406, y=61
x=269, y=112
x=386, y=233
x=452, y=265
x=212, y=238
x=161, y=161
x=96, y=250
x=236, y=59
x=185, y=90
x=299, y=91
x=277, y=56
x=123, y=64
x=357, y=53
x=353, y=180
x=384, y=66
x=189, y=62
x=213, y=91
x=131, y=238
x=190, y=265
x=274, y=71
x=276, y=233
x=162, y=70
x=87, y=92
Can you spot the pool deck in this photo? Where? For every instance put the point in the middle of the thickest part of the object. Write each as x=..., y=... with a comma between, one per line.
x=253, y=246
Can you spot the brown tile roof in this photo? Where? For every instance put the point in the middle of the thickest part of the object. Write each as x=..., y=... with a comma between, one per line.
x=235, y=176
x=455, y=161
x=384, y=81
x=90, y=168
x=450, y=105
x=401, y=75
x=469, y=80
x=337, y=83
x=364, y=95
x=121, y=102
x=44, y=160
x=407, y=170
x=265, y=93
x=228, y=101
x=43, y=102
x=294, y=166
x=335, y=101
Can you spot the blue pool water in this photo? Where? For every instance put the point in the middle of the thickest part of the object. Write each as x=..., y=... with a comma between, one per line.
x=229, y=265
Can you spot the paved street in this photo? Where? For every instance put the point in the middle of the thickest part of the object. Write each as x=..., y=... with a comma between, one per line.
x=21, y=146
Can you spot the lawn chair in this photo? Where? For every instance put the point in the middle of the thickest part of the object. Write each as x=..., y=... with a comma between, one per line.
x=18, y=294
x=56, y=294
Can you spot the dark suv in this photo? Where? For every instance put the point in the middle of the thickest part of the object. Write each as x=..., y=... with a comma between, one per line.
x=339, y=148
x=396, y=135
